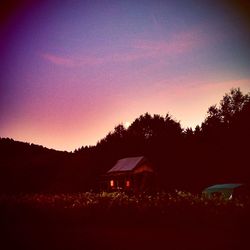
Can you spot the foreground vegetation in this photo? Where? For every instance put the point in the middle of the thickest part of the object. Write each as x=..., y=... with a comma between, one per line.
x=111, y=205
x=177, y=220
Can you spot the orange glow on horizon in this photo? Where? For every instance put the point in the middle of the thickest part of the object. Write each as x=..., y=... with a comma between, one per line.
x=77, y=132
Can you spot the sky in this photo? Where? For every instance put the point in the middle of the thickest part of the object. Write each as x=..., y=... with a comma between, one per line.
x=73, y=70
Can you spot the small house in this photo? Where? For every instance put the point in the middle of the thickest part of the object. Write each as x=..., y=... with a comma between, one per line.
x=221, y=190
x=134, y=174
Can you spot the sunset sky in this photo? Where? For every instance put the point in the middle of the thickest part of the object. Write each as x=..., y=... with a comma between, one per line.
x=73, y=70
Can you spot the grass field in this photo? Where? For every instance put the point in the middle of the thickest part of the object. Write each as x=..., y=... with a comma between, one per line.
x=175, y=220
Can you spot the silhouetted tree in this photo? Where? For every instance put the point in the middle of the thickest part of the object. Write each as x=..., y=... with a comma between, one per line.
x=221, y=117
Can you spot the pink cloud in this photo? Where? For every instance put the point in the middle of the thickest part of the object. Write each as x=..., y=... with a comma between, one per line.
x=71, y=62
x=58, y=59
x=178, y=44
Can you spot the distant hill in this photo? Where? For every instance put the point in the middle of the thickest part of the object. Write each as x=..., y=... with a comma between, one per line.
x=27, y=167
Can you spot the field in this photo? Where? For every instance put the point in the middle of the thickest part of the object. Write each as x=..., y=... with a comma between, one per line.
x=177, y=220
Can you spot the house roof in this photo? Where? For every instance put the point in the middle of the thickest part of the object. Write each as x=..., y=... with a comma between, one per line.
x=220, y=187
x=127, y=164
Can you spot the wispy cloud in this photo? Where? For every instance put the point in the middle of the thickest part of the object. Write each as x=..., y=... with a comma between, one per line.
x=178, y=44
x=55, y=59
x=72, y=61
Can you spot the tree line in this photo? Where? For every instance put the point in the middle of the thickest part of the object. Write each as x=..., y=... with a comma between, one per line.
x=189, y=159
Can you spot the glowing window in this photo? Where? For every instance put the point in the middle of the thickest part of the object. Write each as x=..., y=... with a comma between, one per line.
x=127, y=183
x=112, y=183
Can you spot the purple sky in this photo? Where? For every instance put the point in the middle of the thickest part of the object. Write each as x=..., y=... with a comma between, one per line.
x=72, y=70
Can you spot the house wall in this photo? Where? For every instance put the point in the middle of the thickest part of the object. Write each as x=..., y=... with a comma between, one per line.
x=143, y=168
x=136, y=182
x=120, y=181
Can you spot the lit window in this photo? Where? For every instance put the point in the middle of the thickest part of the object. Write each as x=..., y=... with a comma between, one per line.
x=112, y=183
x=127, y=183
